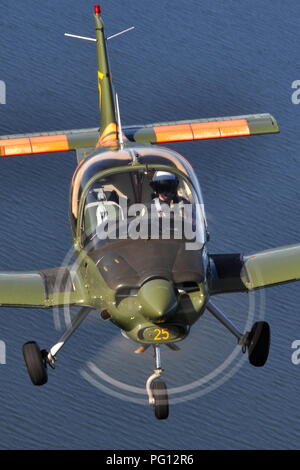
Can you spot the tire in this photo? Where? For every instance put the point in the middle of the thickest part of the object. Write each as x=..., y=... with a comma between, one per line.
x=35, y=363
x=160, y=393
x=259, y=344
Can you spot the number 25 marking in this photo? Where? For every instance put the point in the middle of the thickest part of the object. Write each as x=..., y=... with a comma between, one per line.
x=161, y=334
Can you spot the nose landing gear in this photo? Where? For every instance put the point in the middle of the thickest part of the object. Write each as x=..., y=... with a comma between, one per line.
x=157, y=389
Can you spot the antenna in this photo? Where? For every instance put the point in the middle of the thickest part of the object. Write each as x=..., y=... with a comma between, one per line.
x=94, y=40
x=120, y=133
x=121, y=32
x=79, y=37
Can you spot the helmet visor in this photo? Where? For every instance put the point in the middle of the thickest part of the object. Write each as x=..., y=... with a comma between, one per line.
x=165, y=187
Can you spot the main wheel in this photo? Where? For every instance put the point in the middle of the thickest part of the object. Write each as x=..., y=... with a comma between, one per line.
x=259, y=343
x=35, y=363
x=161, y=405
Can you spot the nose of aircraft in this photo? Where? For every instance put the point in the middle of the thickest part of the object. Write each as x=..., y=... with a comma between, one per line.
x=158, y=299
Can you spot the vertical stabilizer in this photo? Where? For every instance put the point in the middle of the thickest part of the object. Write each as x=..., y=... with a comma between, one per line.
x=109, y=128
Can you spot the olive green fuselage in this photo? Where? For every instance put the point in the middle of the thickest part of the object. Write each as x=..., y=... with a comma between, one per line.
x=161, y=305
x=158, y=313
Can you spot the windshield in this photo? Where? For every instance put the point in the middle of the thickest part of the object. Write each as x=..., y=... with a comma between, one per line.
x=142, y=204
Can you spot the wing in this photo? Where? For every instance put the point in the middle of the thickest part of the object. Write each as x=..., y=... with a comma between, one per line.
x=42, y=289
x=236, y=273
x=199, y=129
x=47, y=142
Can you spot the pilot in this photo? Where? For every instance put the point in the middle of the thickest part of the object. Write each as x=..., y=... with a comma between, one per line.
x=165, y=187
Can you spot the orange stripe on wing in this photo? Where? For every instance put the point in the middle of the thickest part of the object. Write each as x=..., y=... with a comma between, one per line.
x=219, y=129
x=206, y=130
x=29, y=146
x=173, y=133
x=15, y=147
x=53, y=143
x=202, y=130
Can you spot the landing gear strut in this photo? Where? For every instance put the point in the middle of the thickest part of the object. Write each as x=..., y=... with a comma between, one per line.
x=157, y=389
x=256, y=341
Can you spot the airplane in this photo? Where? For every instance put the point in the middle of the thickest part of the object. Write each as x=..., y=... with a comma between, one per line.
x=153, y=287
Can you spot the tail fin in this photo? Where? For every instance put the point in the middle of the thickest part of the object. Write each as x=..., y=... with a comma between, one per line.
x=109, y=127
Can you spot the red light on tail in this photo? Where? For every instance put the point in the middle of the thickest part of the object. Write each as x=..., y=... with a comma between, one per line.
x=97, y=10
